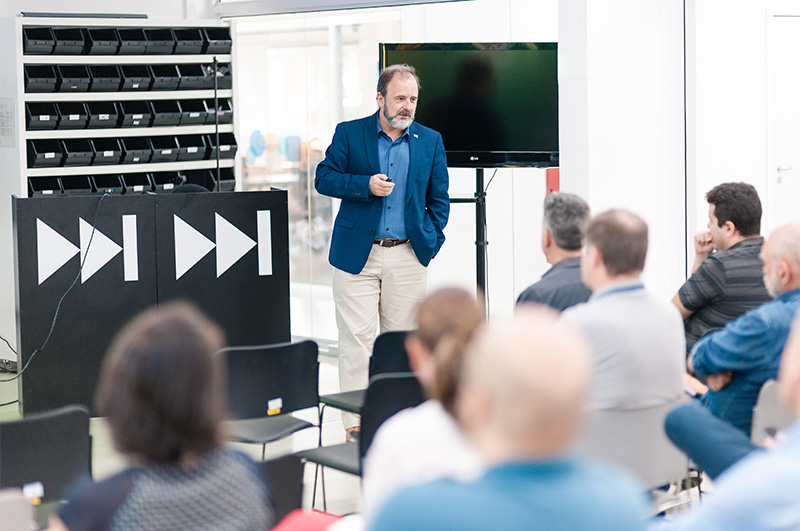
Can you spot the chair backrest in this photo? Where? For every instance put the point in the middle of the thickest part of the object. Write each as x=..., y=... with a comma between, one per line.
x=53, y=448
x=272, y=379
x=635, y=439
x=285, y=480
x=386, y=395
x=389, y=354
x=769, y=412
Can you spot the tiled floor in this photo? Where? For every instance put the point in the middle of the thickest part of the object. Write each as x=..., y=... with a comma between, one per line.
x=343, y=490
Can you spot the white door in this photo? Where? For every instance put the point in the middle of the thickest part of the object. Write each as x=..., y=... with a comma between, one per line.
x=783, y=177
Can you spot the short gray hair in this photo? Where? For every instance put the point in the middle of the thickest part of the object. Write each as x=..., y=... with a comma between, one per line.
x=388, y=73
x=565, y=216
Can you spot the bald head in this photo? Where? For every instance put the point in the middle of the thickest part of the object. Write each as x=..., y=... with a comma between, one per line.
x=524, y=386
x=781, y=257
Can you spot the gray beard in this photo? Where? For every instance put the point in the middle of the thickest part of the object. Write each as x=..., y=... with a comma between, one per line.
x=397, y=121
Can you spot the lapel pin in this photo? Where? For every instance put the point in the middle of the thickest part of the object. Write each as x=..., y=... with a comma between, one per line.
x=416, y=135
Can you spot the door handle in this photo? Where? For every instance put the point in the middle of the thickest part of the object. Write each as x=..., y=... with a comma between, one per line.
x=784, y=168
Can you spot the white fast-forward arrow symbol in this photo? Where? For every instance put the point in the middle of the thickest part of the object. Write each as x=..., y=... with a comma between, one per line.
x=232, y=244
x=52, y=249
x=98, y=254
x=190, y=246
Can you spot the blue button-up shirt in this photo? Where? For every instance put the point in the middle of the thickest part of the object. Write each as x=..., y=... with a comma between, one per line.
x=393, y=157
x=751, y=347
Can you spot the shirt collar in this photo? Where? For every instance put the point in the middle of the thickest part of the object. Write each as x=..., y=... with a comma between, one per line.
x=747, y=242
x=789, y=295
x=616, y=287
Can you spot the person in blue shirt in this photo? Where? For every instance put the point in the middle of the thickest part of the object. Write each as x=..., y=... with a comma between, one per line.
x=736, y=360
x=524, y=422
x=762, y=490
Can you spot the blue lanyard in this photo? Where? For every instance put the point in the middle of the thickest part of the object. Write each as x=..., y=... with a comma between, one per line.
x=620, y=290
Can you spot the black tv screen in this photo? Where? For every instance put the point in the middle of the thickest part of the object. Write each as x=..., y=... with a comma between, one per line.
x=495, y=104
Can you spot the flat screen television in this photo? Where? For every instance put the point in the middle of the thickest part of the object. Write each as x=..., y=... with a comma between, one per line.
x=495, y=104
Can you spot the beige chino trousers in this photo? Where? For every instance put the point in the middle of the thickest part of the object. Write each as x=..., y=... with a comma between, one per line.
x=387, y=292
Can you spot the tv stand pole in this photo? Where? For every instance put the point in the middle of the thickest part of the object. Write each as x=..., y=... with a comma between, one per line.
x=480, y=228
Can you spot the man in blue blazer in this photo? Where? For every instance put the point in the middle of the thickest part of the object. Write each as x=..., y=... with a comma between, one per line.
x=391, y=175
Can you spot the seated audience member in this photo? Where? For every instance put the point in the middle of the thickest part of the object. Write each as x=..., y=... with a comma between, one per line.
x=737, y=360
x=162, y=389
x=424, y=443
x=561, y=287
x=726, y=276
x=761, y=490
x=637, y=338
x=524, y=419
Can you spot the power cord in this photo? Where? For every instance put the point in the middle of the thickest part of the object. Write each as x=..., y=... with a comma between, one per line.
x=58, y=306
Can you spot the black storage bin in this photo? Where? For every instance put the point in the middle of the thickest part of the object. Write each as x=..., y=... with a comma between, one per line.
x=101, y=41
x=131, y=41
x=224, y=76
x=193, y=112
x=227, y=179
x=218, y=40
x=200, y=177
x=166, y=181
x=105, y=78
x=227, y=145
x=224, y=112
x=165, y=113
x=108, y=184
x=73, y=78
x=136, y=183
x=44, y=153
x=136, y=150
x=77, y=152
x=159, y=41
x=188, y=40
x=106, y=151
x=192, y=77
x=73, y=115
x=135, y=113
x=165, y=77
x=77, y=185
x=102, y=114
x=135, y=77
x=165, y=149
x=44, y=186
x=40, y=116
x=40, y=78
x=39, y=41
x=191, y=147
x=69, y=41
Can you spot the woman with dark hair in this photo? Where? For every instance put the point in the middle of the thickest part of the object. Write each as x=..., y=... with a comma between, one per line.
x=425, y=443
x=162, y=390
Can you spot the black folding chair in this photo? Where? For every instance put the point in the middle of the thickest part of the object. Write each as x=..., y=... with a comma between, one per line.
x=265, y=385
x=388, y=355
x=387, y=394
x=53, y=448
x=285, y=480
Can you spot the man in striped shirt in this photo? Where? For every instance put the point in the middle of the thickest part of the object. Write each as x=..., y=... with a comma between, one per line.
x=726, y=278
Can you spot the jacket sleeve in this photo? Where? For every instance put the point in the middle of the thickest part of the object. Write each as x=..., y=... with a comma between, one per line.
x=437, y=201
x=739, y=346
x=332, y=177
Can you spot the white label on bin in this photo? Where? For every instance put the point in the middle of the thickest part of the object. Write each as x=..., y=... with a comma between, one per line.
x=169, y=186
x=194, y=114
x=44, y=117
x=191, y=149
x=135, y=85
x=137, y=116
x=102, y=117
x=138, y=188
x=136, y=122
x=47, y=192
x=136, y=159
x=33, y=490
x=166, y=151
x=224, y=148
x=108, y=153
x=74, y=116
x=49, y=155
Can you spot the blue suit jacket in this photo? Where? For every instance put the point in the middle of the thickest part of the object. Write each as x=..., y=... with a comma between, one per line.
x=350, y=161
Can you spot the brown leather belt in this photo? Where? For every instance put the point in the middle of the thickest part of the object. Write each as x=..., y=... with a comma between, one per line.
x=390, y=242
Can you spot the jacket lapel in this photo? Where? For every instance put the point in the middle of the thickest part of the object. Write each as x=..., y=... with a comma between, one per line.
x=413, y=162
x=371, y=143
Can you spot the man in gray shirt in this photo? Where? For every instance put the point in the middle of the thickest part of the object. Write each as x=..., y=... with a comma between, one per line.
x=561, y=287
x=638, y=339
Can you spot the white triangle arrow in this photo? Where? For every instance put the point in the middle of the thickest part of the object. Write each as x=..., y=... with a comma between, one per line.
x=190, y=246
x=232, y=244
x=100, y=252
x=52, y=249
